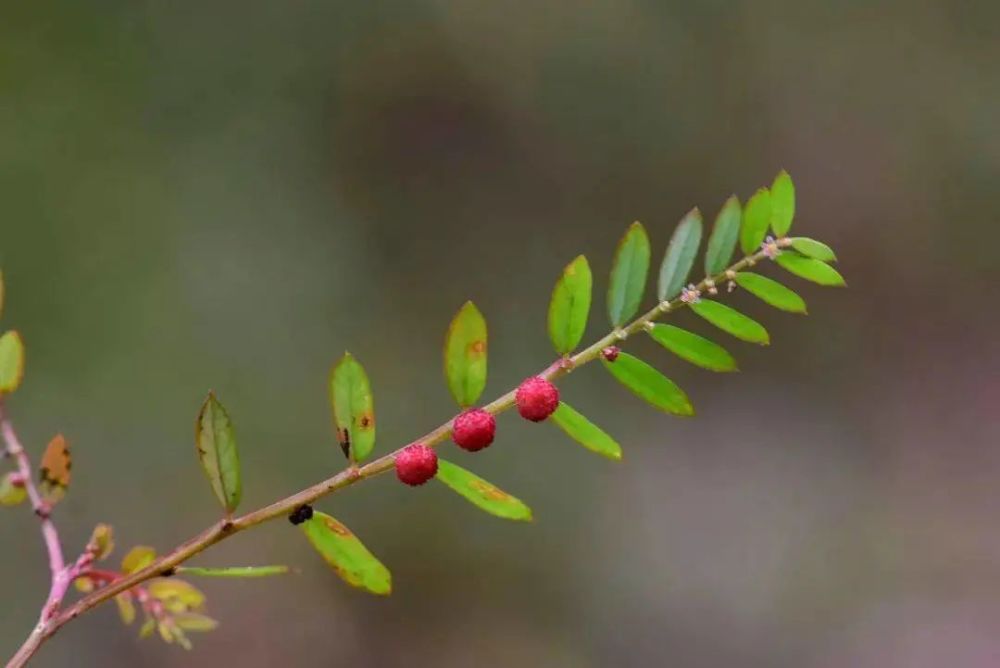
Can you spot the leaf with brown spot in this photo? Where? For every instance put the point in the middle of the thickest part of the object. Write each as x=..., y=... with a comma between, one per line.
x=54, y=474
x=481, y=493
x=353, y=407
x=215, y=442
x=348, y=556
x=465, y=349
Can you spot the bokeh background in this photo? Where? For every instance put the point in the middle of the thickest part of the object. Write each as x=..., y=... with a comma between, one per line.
x=228, y=195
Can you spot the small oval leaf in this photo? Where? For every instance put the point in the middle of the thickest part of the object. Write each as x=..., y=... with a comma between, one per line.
x=680, y=256
x=731, y=321
x=771, y=292
x=54, y=472
x=649, y=384
x=353, y=408
x=570, y=306
x=126, y=609
x=756, y=220
x=233, y=571
x=782, y=204
x=215, y=442
x=482, y=494
x=585, y=432
x=193, y=621
x=11, y=494
x=342, y=550
x=465, y=355
x=695, y=349
x=628, y=275
x=810, y=269
x=814, y=249
x=722, y=241
x=138, y=558
x=11, y=362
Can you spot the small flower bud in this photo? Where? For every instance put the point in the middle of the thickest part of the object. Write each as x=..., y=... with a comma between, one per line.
x=610, y=353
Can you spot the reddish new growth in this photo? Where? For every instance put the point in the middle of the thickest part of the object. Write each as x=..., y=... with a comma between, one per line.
x=536, y=399
x=474, y=429
x=416, y=464
x=610, y=353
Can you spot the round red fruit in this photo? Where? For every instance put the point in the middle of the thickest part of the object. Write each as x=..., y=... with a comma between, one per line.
x=474, y=429
x=536, y=399
x=416, y=464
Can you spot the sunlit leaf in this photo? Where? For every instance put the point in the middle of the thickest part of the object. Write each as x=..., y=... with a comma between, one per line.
x=722, y=241
x=810, y=269
x=54, y=473
x=101, y=541
x=814, y=249
x=192, y=621
x=628, y=275
x=126, y=609
x=731, y=321
x=233, y=571
x=570, y=306
x=481, y=493
x=782, y=204
x=11, y=362
x=649, y=384
x=342, y=550
x=175, y=594
x=585, y=432
x=756, y=220
x=771, y=292
x=680, y=256
x=465, y=351
x=353, y=407
x=693, y=348
x=11, y=494
x=138, y=558
x=215, y=442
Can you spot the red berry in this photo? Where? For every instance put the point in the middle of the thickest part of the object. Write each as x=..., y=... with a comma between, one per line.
x=474, y=429
x=416, y=464
x=536, y=399
x=611, y=353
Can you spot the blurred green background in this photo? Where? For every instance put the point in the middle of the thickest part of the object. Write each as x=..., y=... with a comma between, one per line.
x=228, y=195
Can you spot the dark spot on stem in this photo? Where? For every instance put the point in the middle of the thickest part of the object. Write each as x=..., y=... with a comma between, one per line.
x=301, y=514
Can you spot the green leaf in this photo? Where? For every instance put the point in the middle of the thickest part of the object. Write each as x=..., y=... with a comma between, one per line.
x=353, y=407
x=342, y=550
x=695, y=349
x=628, y=275
x=216, y=446
x=233, y=571
x=138, y=558
x=11, y=362
x=485, y=495
x=810, y=269
x=649, y=384
x=11, y=494
x=782, y=204
x=465, y=355
x=731, y=321
x=756, y=219
x=722, y=241
x=814, y=249
x=585, y=432
x=680, y=256
x=771, y=292
x=570, y=306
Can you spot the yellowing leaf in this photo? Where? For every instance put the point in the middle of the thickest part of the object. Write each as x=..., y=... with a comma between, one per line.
x=483, y=494
x=101, y=541
x=54, y=474
x=234, y=571
x=11, y=494
x=215, y=442
x=176, y=595
x=353, y=407
x=147, y=628
x=348, y=556
x=126, y=609
x=192, y=621
x=83, y=585
x=465, y=355
x=138, y=558
x=11, y=362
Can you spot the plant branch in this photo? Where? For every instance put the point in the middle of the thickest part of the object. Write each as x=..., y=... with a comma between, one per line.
x=227, y=527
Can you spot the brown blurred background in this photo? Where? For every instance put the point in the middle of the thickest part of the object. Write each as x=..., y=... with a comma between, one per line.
x=227, y=195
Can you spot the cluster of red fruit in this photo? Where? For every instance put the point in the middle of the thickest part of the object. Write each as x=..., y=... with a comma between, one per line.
x=475, y=428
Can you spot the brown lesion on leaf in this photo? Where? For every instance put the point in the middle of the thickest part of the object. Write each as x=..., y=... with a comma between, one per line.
x=477, y=348
x=489, y=491
x=338, y=528
x=366, y=421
